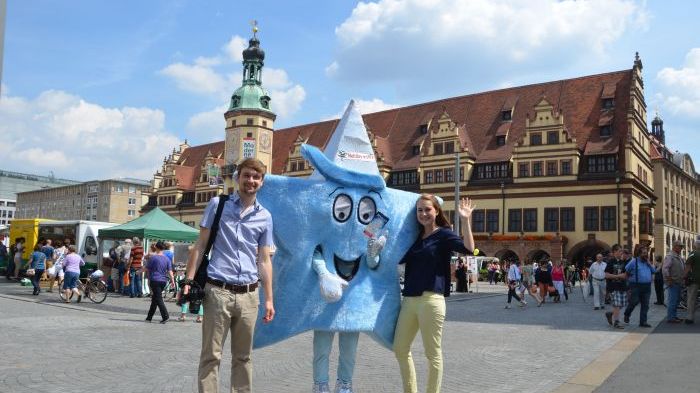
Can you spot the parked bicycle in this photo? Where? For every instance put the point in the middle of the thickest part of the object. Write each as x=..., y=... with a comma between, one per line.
x=170, y=291
x=91, y=287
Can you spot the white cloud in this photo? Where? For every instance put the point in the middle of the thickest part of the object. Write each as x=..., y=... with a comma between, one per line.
x=209, y=125
x=198, y=78
x=680, y=88
x=407, y=39
x=365, y=107
x=81, y=140
x=234, y=48
x=218, y=76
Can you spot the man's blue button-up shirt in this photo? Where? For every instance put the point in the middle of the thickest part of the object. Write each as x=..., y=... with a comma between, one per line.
x=233, y=258
x=645, y=271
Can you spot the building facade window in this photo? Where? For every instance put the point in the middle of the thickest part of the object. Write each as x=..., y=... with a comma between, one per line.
x=478, y=220
x=132, y=201
x=608, y=103
x=608, y=218
x=606, y=130
x=492, y=219
x=537, y=168
x=515, y=220
x=506, y=115
x=566, y=219
x=529, y=220
x=428, y=177
x=131, y=213
x=602, y=164
x=449, y=175
x=500, y=140
x=492, y=171
x=449, y=147
x=132, y=189
x=552, y=168
x=551, y=219
x=535, y=138
x=591, y=220
x=566, y=167
x=438, y=176
x=524, y=169
x=437, y=149
x=553, y=138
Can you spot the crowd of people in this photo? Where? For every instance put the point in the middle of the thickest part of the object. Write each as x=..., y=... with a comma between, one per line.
x=620, y=279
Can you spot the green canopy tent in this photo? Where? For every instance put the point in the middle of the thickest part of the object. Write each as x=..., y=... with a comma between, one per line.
x=155, y=225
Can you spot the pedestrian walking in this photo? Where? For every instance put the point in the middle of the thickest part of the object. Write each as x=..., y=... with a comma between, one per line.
x=56, y=271
x=514, y=281
x=673, y=270
x=543, y=279
x=558, y=278
x=597, y=273
x=37, y=262
x=528, y=274
x=659, y=281
x=71, y=266
x=616, y=285
x=640, y=272
x=426, y=285
x=160, y=271
x=692, y=273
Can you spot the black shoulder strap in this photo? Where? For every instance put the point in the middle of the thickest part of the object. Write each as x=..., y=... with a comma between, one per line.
x=201, y=275
x=215, y=224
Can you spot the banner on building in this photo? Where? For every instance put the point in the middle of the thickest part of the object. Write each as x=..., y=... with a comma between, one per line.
x=214, y=175
x=248, y=147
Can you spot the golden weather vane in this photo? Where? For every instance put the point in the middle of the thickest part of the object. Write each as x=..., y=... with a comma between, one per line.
x=254, y=23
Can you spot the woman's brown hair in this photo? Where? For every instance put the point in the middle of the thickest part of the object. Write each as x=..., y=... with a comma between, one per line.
x=440, y=218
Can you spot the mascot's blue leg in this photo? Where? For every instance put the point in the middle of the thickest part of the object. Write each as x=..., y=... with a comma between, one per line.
x=347, y=343
x=323, y=340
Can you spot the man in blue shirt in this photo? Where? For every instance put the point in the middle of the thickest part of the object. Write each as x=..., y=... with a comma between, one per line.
x=239, y=258
x=640, y=272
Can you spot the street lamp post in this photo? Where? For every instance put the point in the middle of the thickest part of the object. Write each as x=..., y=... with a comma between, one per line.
x=456, y=214
x=503, y=208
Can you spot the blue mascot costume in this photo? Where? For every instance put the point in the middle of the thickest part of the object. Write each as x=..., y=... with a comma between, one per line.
x=333, y=272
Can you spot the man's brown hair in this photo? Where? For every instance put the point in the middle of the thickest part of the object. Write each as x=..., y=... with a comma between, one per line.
x=254, y=164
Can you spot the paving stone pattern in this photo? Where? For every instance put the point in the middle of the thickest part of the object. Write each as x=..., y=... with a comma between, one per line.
x=48, y=346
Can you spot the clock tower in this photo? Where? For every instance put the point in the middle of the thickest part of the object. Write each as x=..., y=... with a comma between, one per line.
x=249, y=118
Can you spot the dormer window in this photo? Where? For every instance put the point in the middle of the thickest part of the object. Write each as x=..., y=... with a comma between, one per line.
x=416, y=150
x=449, y=147
x=437, y=149
x=506, y=115
x=500, y=140
x=249, y=121
x=423, y=128
x=535, y=139
x=608, y=103
x=606, y=130
x=552, y=138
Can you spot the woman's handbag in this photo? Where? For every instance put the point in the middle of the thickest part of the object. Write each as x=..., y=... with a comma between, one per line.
x=30, y=272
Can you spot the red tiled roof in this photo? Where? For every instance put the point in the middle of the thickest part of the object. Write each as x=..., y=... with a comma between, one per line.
x=478, y=117
x=185, y=177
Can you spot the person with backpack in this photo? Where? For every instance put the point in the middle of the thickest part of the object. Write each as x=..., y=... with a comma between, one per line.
x=640, y=272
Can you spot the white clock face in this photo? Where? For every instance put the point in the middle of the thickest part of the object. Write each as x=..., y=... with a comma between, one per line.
x=265, y=141
x=232, y=147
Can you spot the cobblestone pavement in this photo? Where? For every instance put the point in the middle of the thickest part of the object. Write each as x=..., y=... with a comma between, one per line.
x=48, y=346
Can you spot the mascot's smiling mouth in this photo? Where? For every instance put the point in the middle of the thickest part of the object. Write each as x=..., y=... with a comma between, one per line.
x=346, y=269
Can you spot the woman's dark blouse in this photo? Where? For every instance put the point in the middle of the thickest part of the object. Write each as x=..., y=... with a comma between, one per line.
x=544, y=276
x=428, y=263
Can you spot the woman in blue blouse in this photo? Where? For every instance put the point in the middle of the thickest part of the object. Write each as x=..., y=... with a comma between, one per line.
x=37, y=261
x=426, y=283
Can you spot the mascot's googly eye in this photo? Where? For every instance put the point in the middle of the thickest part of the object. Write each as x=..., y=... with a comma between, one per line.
x=366, y=210
x=342, y=208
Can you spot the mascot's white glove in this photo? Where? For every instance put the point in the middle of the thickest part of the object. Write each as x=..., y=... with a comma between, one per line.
x=331, y=285
x=374, y=247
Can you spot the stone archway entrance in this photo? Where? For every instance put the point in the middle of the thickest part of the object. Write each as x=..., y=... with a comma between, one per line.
x=585, y=250
x=538, y=256
x=507, y=254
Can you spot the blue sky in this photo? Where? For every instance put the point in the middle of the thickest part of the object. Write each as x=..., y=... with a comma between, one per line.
x=96, y=89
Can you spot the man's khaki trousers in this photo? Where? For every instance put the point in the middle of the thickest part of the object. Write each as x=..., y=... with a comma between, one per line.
x=224, y=311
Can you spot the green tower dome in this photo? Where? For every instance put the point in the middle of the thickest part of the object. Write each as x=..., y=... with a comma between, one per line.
x=251, y=95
